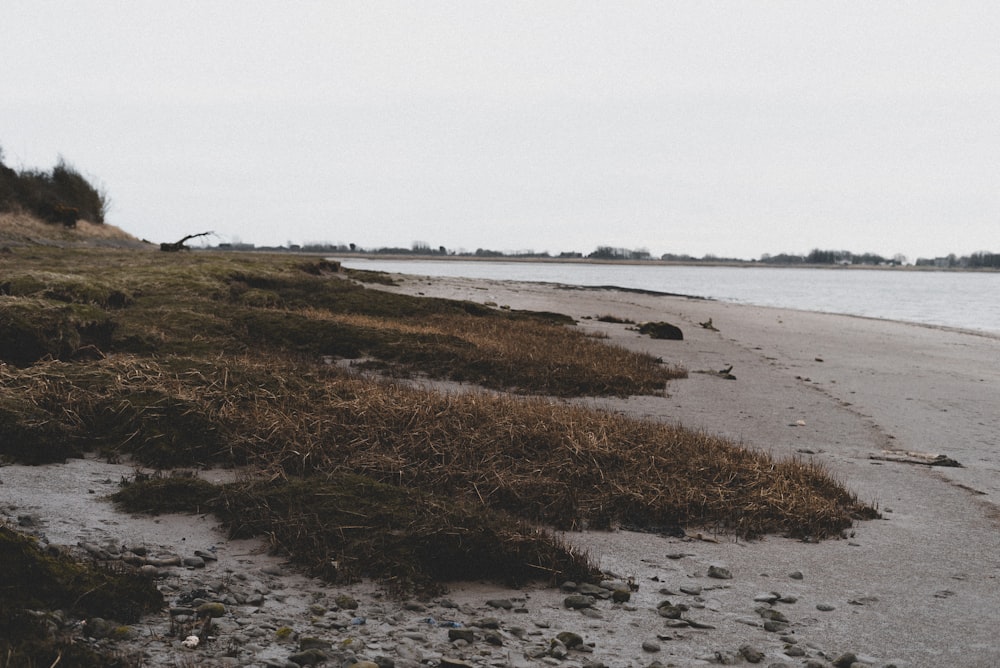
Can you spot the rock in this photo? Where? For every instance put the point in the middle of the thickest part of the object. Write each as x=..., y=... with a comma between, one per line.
x=462, y=634
x=493, y=638
x=670, y=611
x=345, y=602
x=773, y=615
x=661, y=330
x=310, y=657
x=619, y=596
x=845, y=660
x=772, y=626
x=557, y=650
x=502, y=603
x=569, y=586
x=650, y=646
x=570, y=639
x=691, y=590
x=796, y=575
x=213, y=610
x=825, y=607
x=486, y=623
x=768, y=598
x=719, y=572
x=794, y=650
x=751, y=654
x=578, y=601
x=594, y=590
x=164, y=562
x=314, y=643
x=194, y=562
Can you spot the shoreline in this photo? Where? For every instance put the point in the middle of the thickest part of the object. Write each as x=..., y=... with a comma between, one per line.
x=918, y=587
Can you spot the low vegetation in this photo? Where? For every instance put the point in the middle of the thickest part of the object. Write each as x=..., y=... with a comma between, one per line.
x=247, y=360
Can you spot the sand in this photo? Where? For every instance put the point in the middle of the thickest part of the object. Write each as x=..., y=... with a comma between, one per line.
x=836, y=389
x=917, y=588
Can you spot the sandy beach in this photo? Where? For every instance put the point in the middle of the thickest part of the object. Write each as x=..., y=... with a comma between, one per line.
x=920, y=587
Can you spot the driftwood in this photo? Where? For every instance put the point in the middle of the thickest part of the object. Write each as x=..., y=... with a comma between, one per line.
x=924, y=458
x=179, y=245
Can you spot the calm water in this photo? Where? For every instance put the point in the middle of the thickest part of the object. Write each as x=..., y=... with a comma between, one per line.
x=953, y=299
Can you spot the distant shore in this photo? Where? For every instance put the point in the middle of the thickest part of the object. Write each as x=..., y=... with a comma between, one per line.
x=655, y=263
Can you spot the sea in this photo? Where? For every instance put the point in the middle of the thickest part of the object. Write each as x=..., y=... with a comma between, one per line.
x=955, y=299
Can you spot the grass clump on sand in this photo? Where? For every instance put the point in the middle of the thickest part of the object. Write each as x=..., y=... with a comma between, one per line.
x=215, y=358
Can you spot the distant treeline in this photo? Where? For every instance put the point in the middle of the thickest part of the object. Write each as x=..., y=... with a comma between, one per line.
x=814, y=257
x=61, y=196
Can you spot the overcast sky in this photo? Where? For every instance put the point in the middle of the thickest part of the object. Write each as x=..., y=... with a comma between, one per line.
x=733, y=128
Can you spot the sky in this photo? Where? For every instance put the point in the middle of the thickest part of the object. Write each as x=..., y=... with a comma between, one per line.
x=728, y=128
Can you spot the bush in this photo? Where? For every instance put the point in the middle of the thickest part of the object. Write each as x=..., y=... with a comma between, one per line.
x=60, y=196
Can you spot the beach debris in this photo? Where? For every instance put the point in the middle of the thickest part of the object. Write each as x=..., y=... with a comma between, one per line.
x=708, y=325
x=179, y=245
x=661, y=330
x=191, y=642
x=726, y=373
x=910, y=457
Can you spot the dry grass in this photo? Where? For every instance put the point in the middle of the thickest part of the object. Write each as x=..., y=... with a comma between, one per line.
x=218, y=358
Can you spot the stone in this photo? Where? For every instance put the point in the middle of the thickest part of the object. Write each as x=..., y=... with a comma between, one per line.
x=845, y=660
x=661, y=330
x=310, y=657
x=620, y=596
x=314, y=643
x=825, y=607
x=578, y=601
x=345, y=602
x=213, y=610
x=594, y=590
x=569, y=639
x=751, y=654
x=669, y=611
x=486, y=623
x=795, y=575
x=719, y=572
x=650, y=646
x=691, y=590
x=502, y=603
x=493, y=638
x=461, y=634
x=194, y=562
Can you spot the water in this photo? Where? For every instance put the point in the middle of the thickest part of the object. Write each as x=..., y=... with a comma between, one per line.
x=966, y=300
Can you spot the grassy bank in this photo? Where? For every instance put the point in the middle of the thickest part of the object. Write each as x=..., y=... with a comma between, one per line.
x=194, y=359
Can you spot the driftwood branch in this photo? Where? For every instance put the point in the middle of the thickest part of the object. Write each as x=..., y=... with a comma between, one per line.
x=179, y=245
x=909, y=457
